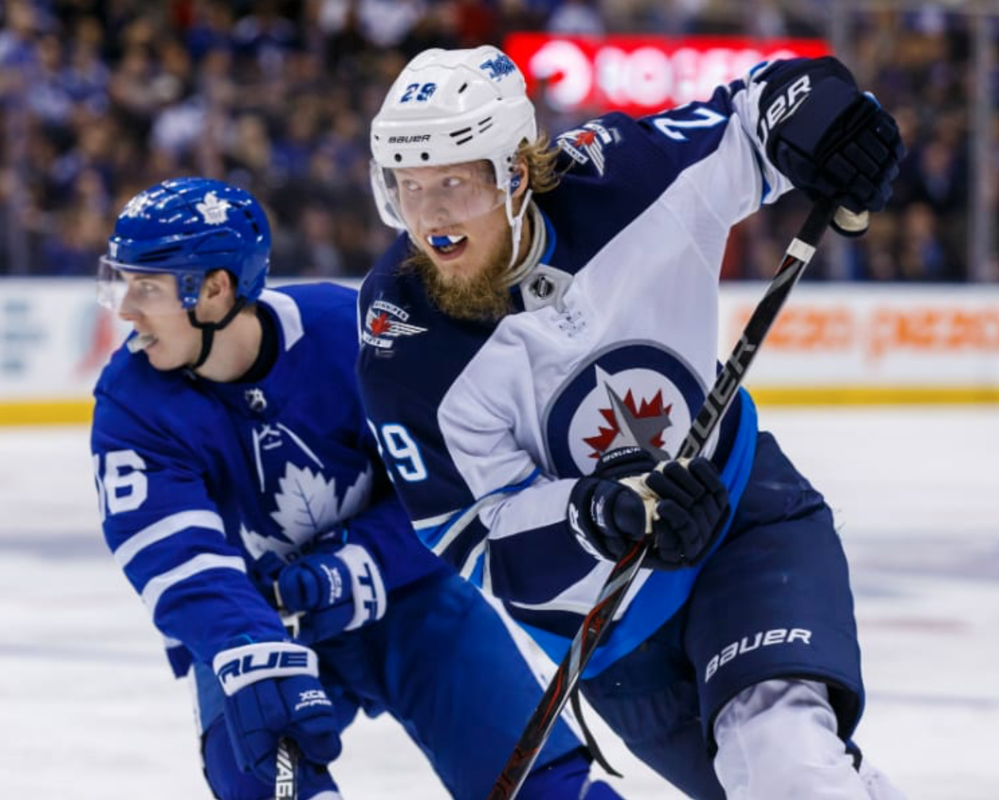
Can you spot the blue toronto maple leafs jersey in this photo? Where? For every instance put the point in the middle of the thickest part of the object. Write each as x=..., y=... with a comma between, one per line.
x=614, y=341
x=198, y=480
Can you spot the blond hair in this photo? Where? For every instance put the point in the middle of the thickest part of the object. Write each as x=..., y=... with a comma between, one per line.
x=539, y=157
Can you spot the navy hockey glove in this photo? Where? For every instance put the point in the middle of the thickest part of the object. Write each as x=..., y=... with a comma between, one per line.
x=830, y=140
x=338, y=591
x=683, y=507
x=272, y=690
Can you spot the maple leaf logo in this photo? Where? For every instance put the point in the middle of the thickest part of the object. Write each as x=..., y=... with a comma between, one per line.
x=584, y=138
x=134, y=208
x=213, y=210
x=628, y=423
x=308, y=505
x=380, y=324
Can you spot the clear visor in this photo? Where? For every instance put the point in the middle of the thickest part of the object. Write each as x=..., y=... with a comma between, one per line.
x=124, y=288
x=436, y=198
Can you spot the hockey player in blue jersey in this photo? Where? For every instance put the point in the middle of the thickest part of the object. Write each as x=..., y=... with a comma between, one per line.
x=238, y=479
x=538, y=340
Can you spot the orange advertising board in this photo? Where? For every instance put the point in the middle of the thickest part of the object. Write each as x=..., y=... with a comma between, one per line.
x=882, y=330
x=831, y=344
x=866, y=343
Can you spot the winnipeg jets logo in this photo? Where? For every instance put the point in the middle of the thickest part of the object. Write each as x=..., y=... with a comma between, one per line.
x=637, y=394
x=498, y=67
x=137, y=205
x=630, y=425
x=384, y=323
x=213, y=210
x=585, y=145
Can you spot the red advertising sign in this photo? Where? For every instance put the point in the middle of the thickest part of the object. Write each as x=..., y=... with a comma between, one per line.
x=640, y=74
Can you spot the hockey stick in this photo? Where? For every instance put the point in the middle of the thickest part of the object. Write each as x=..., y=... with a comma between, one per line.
x=286, y=779
x=540, y=725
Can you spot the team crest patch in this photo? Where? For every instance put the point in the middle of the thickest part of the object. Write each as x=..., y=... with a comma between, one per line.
x=137, y=205
x=586, y=145
x=213, y=210
x=627, y=422
x=498, y=67
x=635, y=395
x=385, y=322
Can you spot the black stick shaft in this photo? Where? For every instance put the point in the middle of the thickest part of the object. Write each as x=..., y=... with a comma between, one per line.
x=286, y=778
x=540, y=725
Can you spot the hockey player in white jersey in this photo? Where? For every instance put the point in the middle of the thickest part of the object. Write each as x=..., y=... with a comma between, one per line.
x=238, y=479
x=539, y=338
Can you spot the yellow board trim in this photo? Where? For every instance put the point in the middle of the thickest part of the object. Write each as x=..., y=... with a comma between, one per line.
x=46, y=412
x=874, y=395
x=80, y=412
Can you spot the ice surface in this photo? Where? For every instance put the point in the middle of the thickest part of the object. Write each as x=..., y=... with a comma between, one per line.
x=89, y=710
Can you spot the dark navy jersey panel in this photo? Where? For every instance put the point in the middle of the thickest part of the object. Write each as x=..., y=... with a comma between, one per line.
x=592, y=203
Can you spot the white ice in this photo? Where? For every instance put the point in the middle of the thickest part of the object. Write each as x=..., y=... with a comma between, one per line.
x=88, y=709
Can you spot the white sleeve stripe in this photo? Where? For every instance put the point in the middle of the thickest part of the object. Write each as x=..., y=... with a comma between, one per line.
x=464, y=520
x=452, y=532
x=580, y=597
x=288, y=316
x=433, y=522
x=161, y=529
x=153, y=590
x=473, y=559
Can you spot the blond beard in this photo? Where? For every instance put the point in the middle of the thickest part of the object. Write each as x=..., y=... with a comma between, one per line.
x=483, y=297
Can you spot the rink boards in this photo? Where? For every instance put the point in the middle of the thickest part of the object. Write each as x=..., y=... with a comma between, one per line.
x=838, y=344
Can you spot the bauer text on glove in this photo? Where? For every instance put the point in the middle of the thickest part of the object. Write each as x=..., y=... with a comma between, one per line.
x=828, y=138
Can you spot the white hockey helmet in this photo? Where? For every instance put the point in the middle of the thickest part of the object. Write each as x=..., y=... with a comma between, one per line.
x=450, y=107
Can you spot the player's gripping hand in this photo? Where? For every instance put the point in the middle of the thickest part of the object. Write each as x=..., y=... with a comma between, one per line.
x=683, y=506
x=340, y=590
x=272, y=690
x=828, y=138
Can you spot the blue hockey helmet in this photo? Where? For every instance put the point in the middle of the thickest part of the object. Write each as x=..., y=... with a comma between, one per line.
x=188, y=227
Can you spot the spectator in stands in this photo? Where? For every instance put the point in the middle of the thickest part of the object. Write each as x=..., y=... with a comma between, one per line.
x=275, y=94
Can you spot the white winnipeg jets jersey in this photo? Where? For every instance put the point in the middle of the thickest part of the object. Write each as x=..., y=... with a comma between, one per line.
x=485, y=426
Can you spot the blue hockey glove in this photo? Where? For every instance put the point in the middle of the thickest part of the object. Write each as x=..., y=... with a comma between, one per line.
x=272, y=690
x=339, y=591
x=682, y=506
x=830, y=140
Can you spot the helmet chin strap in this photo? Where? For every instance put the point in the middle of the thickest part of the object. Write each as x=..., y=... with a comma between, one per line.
x=208, y=329
x=516, y=226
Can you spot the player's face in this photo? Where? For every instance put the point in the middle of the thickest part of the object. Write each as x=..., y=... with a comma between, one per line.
x=150, y=303
x=456, y=216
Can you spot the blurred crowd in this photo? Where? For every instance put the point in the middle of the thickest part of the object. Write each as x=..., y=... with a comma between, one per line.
x=101, y=98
